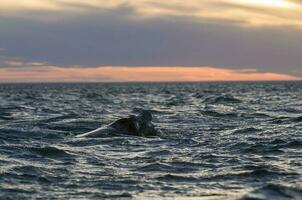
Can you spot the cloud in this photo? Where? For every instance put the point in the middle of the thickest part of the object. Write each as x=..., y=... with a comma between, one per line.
x=133, y=74
x=243, y=12
x=105, y=39
x=16, y=63
x=230, y=34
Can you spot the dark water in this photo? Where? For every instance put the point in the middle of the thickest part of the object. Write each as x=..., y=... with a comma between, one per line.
x=220, y=141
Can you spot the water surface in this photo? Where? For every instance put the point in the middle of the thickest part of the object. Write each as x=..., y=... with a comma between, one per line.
x=219, y=141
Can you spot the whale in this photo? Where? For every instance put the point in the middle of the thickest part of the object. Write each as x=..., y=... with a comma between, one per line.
x=133, y=125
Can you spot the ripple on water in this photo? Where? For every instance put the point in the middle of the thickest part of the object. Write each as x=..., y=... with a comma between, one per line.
x=166, y=168
x=223, y=99
x=249, y=130
x=50, y=151
x=274, y=191
x=213, y=113
x=178, y=178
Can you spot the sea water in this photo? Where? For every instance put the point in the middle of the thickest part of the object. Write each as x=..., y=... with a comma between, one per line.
x=239, y=140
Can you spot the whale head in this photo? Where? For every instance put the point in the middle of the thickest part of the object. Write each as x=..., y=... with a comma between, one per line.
x=138, y=125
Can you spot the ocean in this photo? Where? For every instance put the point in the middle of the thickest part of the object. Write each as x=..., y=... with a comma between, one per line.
x=219, y=140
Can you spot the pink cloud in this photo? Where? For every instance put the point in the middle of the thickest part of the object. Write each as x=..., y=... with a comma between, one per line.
x=133, y=74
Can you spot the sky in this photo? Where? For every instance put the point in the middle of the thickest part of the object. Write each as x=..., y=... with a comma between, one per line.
x=150, y=40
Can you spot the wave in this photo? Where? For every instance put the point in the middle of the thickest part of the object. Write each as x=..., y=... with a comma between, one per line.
x=213, y=113
x=53, y=152
x=247, y=130
x=5, y=116
x=168, y=168
x=224, y=99
x=296, y=119
x=177, y=178
x=262, y=149
x=158, y=153
x=284, y=120
x=21, y=134
x=257, y=115
x=290, y=110
x=265, y=173
x=257, y=173
x=60, y=118
x=274, y=191
x=27, y=173
x=28, y=169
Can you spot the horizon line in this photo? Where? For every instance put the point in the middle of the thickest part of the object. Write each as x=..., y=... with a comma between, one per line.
x=136, y=74
x=148, y=82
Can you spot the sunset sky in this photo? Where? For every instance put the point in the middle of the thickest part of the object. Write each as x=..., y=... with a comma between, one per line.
x=150, y=40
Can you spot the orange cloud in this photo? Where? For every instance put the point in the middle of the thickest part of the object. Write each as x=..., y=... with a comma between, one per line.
x=134, y=74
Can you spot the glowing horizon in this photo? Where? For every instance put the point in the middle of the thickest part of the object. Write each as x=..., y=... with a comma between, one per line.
x=136, y=74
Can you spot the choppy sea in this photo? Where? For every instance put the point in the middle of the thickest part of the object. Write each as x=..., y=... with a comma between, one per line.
x=236, y=140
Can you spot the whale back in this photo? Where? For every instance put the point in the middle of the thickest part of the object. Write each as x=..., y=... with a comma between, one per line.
x=126, y=126
x=136, y=125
